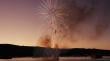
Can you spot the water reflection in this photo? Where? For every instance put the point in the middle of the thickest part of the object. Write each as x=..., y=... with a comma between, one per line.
x=61, y=59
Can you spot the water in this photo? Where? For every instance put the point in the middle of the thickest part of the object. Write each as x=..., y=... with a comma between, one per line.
x=61, y=59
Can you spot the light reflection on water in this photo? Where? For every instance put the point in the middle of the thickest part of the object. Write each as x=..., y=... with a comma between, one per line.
x=61, y=59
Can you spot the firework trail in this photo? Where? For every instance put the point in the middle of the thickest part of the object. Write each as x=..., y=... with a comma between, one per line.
x=54, y=15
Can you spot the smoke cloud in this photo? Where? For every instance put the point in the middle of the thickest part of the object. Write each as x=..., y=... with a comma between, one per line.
x=80, y=20
x=44, y=41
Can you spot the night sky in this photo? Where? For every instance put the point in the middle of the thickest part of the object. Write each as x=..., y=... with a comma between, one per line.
x=77, y=23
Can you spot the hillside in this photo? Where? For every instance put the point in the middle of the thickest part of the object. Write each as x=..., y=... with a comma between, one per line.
x=11, y=51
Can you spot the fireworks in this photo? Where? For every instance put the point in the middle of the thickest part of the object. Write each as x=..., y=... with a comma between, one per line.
x=63, y=16
x=51, y=12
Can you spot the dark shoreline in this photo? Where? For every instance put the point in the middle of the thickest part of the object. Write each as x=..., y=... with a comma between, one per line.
x=8, y=51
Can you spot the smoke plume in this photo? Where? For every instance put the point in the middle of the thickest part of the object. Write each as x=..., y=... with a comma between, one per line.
x=77, y=20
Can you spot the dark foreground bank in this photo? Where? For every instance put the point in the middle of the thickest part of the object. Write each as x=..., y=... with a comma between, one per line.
x=14, y=51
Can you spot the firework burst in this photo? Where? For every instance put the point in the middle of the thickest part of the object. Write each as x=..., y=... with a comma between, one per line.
x=54, y=14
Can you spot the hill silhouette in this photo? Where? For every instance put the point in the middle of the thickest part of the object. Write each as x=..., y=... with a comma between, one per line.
x=8, y=51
